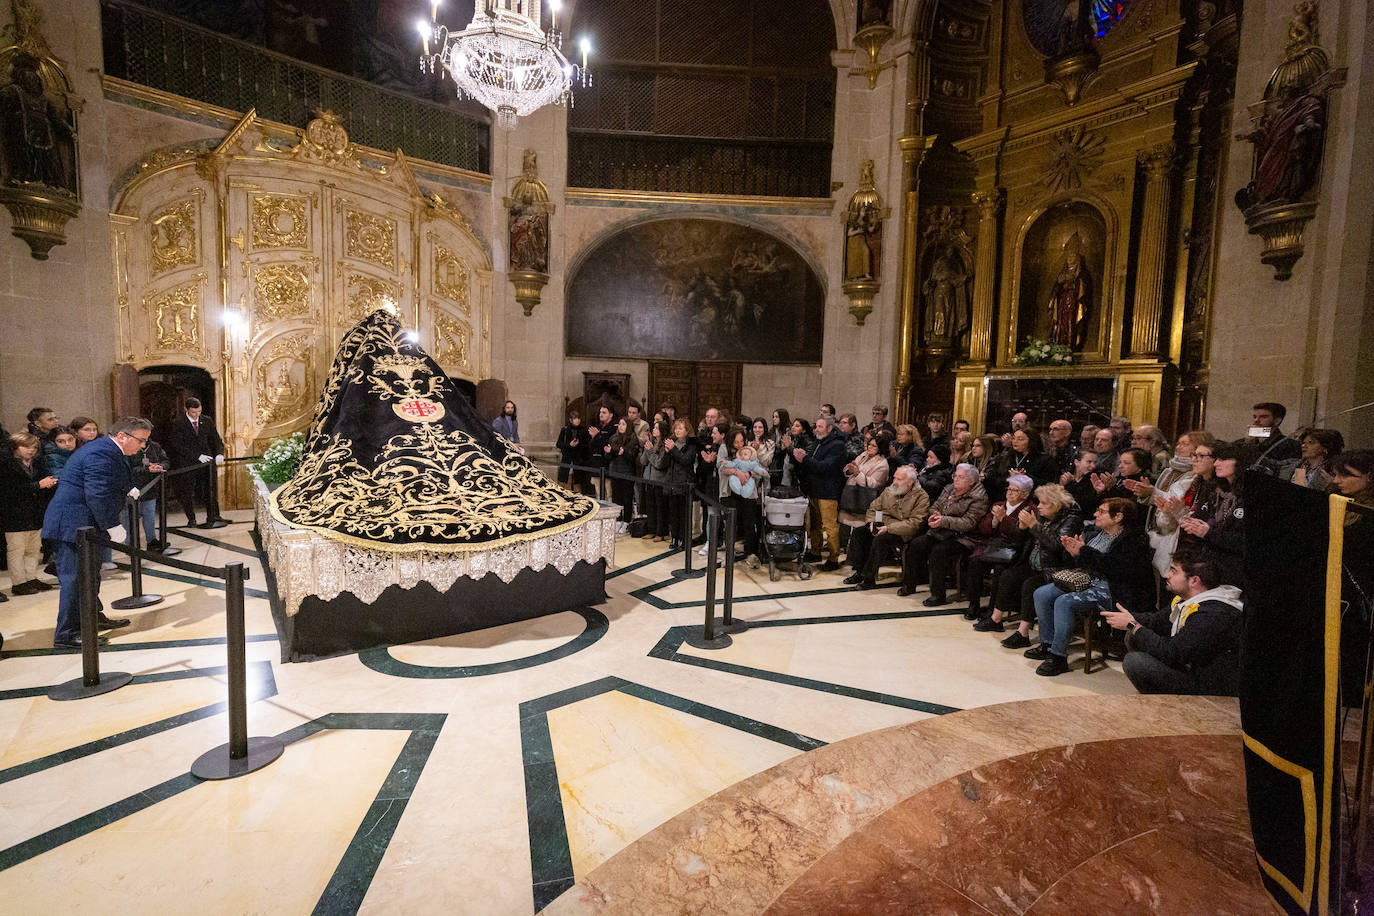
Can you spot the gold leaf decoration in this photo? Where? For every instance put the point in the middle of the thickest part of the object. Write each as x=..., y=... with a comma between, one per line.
x=172, y=237
x=370, y=237
x=451, y=278
x=279, y=221
x=280, y=291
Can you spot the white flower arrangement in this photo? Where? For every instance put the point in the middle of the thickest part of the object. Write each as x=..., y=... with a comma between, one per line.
x=280, y=460
x=1039, y=352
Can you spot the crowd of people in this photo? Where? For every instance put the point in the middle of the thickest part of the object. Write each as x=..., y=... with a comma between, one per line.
x=56, y=478
x=1110, y=525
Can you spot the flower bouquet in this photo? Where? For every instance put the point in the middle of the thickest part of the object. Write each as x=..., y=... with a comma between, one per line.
x=1040, y=352
x=279, y=462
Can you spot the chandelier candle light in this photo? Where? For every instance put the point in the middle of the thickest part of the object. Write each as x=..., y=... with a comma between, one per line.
x=504, y=58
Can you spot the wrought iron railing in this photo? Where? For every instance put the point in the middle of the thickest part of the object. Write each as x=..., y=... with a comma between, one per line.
x=165, y=53
x=687, y=165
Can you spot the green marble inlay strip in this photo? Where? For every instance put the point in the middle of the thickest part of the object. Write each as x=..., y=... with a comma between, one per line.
x=550, y=852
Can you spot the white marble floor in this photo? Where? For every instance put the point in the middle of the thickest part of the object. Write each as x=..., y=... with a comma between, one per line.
x=488, y=793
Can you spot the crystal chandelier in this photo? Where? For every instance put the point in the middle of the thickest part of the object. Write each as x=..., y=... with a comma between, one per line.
x=504, y=58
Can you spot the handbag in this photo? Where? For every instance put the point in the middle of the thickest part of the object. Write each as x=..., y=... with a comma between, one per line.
x=856, y=499
x=1071, y=580
x=999, y=553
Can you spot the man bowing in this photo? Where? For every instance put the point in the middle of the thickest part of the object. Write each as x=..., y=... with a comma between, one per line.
x=90, y=492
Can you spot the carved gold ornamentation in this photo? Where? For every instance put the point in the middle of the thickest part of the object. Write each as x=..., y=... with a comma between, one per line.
x=175, y=316
x=370, y=237
x=279, y=221
x=366, y=293
x=172, y=237
x=280, y=291
x=1074, y=154
x=325, y=140
x=280, y=393
x=451, y=341
x=451, y=277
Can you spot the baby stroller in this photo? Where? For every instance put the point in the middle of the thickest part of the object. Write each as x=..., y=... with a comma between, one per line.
x=784, y=531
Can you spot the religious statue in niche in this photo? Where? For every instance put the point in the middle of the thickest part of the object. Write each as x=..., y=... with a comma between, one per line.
x=945, y=291
x=863, y=243
x=1289, y=134
x=875, y=12
x=38, y=166
x=946, y=298
x=528, y=233
x=1069, y=296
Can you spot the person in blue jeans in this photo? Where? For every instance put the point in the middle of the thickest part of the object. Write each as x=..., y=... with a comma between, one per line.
x=143, y=470
x=90, y=493
x=1117, y=557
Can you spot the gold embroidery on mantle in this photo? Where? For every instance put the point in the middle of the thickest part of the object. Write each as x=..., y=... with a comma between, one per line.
x=279, y=221
x=370, y=237
x=172, y=237
x=426, y=483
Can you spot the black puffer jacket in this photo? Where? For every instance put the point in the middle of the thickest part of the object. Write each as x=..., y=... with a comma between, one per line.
x=1047, y=551
x=22, y=501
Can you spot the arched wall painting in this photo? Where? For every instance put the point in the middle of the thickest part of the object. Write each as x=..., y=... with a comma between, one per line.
x=696, y=289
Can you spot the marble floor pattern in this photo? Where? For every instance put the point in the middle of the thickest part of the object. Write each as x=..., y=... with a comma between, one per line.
x=492, y=772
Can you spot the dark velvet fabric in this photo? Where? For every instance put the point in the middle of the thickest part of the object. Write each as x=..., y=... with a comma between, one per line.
x=397, y=456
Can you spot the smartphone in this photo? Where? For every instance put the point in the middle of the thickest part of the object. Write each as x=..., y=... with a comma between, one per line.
x=1261, y=432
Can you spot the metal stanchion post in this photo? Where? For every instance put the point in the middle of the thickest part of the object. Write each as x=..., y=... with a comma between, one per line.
x=162, y=496
x=136, y=599
x=706, y=637
x=728, y=623
x=91, y=683
x=242, y=755
x=212, y=502
x=687, y=572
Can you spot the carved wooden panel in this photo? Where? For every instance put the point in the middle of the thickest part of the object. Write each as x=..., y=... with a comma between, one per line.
x=283, y=381
x=176, y=319
x=719, y=385
x=452, y=342
x=451, y=277
x=370, y=237
x=671, y=382
x=174, y=237
x=280, y=291
x=279, y=221
x=365, y=293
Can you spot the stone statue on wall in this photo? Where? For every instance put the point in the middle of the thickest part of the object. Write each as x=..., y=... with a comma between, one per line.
x=875, y=12
x=863, y=230
x=1289, y=133
x=39, y=139
x=1069, y=297
x=529, y=219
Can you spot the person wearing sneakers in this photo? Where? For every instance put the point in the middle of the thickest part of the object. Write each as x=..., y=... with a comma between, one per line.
x=24, y=487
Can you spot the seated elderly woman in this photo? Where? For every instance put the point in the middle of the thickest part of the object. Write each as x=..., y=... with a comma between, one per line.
x=1056, y=517
x=865, y=478
x=893, y=519
x=957, y=511
x=1000, y=541
x=1116, y=559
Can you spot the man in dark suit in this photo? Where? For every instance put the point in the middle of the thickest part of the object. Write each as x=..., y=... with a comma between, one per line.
x=193, y=441
x=91, y=491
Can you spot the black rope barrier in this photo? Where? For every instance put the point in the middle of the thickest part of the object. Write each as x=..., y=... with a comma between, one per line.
x=241, y=754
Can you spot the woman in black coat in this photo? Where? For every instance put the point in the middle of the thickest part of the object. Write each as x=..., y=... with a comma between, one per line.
x=574, y=447
x=24, y=482
x=1217, y=524
x=680, y=473
x=1117, y=558
x=1026, y=456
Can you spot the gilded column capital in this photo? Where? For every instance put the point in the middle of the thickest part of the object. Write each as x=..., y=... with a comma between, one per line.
x=1158, y=160
x=990, y=203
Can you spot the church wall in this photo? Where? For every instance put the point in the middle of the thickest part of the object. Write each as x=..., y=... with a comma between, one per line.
x=1304, y=342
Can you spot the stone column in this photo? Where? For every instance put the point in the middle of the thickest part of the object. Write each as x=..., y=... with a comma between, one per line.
x=1158, y=164
x=990, y=203
x=913, y=151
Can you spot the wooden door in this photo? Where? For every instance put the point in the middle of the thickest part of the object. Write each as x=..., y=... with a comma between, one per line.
x=693, y=387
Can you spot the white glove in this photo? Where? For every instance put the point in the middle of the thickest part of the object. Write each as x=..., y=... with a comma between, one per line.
x=219, y=459
x=205, y=459
x=134, y=493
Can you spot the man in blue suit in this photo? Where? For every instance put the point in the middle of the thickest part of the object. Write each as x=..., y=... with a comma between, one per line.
x=91, y=492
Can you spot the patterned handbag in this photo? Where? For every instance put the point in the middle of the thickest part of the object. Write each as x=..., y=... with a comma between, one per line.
x=1071, y=580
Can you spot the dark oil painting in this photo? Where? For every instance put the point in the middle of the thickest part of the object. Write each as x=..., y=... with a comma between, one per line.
x=696, y=289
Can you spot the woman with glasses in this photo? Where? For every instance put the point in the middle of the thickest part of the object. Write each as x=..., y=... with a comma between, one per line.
x=1216, y=523
x=1173, y=483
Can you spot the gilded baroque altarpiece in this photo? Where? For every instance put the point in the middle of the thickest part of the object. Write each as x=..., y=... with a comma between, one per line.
x=250, y=259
